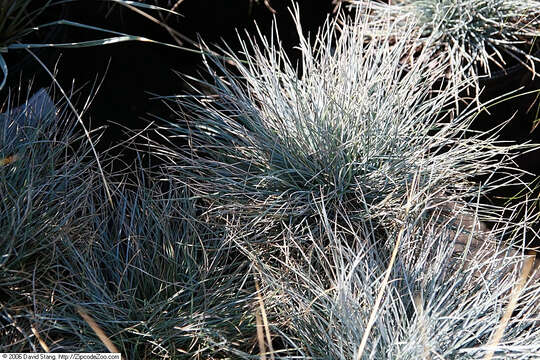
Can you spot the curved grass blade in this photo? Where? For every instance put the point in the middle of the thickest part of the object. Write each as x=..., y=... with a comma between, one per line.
x=4, y=68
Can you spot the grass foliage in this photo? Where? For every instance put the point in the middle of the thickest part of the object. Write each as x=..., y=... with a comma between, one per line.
x=321, y=169
x=43, y=188
x=473, y=37
x=155, y=279
x=324, y=209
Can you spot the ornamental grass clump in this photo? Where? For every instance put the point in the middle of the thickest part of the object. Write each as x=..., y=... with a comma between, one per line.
x=348, y=126
x=44, y=168
x=473, y=37
x=144, y=271
x=344, y=298
x=158, y=282
x=347, y=181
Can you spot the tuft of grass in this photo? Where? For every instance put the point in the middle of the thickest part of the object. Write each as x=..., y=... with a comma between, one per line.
x=351, y=129
x=159, y=283
x=310, y=167
x=155, y=279
x=43, y=188
x=436, y=304
x=473, y=38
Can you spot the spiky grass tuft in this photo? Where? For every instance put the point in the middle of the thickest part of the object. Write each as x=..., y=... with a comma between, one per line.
x=43, y=189
x=474, y=38
x=351, y=130
x=335, y=176
x=145, y=275
x=157, y=282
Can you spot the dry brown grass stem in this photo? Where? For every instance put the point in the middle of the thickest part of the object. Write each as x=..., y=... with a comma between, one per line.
x=514, y=296
x=42, y=343
x=263, y=330
x=100, y=333
x=8, y=160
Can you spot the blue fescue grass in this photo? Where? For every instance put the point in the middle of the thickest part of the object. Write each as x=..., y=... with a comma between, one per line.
x=351, y=130
x=158, y=282
x=474, y=38
x=43, y=189
x=335, y=177
x=156, y=278
x=319, y=210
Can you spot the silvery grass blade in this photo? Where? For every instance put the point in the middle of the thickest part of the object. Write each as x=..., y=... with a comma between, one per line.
x=142, y=5
x=157, y=280
x=120, y=37
x=44, y=171
x=177, y=36
x=474, y=38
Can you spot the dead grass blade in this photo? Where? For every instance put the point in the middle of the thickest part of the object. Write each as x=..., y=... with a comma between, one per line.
x=42, y=343
x=262, y=324
x=514, y=296
x=100, y=333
